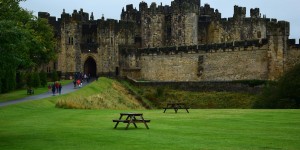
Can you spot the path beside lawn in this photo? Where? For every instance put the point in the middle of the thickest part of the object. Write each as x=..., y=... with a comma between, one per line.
x=65, y=89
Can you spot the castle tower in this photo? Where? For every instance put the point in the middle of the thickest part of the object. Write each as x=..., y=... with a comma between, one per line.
x=152, y=25
x=185, y=14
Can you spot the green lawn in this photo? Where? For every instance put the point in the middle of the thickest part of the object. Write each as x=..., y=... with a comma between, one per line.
x=18, y=94
x=39, y=125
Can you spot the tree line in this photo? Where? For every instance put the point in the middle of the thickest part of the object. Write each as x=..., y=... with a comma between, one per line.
x=26, y=43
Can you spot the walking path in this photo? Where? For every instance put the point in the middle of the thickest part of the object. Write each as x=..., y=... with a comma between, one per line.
x=65, y=89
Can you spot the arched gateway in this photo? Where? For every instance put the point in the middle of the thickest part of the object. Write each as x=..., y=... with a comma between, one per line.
x=90, y=67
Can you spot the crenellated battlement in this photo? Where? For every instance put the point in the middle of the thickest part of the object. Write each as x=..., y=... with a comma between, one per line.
x=239, y=12
x=292, y=44
x=206, y=48
x=185, y=6
x=255, y=13
x=275, y=27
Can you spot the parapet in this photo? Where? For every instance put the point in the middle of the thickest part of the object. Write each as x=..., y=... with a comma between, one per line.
x=292, y=43
x=208, y=11
x=206, y=48
x=278, y=28
x=185, y=6
x=45, y=15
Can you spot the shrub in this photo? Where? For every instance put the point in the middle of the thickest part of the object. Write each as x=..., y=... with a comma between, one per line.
x=285, y=93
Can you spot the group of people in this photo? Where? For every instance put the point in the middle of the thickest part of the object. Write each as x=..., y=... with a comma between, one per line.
x=55, y=88
x=79, y=78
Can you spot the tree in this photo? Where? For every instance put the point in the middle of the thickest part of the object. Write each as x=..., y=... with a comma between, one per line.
x=26, y=42
x=54, y=76
x=42, y=43
x=13, y=52
x=43, y=78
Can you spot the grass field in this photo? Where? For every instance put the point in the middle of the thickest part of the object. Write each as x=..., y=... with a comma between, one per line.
x=39, y=125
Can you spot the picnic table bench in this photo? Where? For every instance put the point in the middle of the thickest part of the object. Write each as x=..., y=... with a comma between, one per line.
x=131, y=118
x=176, y=106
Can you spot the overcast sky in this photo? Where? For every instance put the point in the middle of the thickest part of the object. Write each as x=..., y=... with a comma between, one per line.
x=287, y=10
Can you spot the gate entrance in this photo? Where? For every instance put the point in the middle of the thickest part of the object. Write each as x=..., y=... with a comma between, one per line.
x=90, y=67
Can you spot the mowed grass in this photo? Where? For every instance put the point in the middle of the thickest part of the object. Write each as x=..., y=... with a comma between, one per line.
x=39, y=125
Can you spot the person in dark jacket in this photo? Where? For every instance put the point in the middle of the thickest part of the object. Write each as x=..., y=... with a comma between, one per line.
x=53, y=89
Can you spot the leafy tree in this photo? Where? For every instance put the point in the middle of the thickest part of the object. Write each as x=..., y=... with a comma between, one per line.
x=42, y=43
x=13, y=52
x=36, y=80
x=43, y=78
x=11, y=10
x=54, y=76
x=26, y=42
x=29, y=80
x=21, y=79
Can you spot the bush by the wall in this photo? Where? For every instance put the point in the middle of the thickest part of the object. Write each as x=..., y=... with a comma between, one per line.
x=285, y=93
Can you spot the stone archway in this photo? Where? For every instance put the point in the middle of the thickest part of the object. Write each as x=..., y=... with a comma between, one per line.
x=90, y=67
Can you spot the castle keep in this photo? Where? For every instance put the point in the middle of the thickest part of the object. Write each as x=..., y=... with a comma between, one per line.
x=182, y=42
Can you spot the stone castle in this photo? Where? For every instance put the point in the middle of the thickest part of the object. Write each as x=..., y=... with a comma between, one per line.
x=182, y=42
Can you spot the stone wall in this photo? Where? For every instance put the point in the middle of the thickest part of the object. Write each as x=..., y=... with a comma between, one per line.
x=190, y=64
x=292, y=57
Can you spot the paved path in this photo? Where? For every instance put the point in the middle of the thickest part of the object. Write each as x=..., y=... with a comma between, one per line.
x=65, y=89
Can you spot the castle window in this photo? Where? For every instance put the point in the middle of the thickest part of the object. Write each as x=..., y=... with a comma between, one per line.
x=179, y=18
x=48, y=69
x=72, y=41
x=69, y=41
x=258, y=34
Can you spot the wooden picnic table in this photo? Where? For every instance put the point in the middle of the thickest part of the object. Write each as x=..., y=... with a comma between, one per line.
x=131, y=118
x=176, y=106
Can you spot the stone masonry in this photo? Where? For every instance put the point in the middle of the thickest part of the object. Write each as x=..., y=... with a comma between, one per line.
x=181, y=42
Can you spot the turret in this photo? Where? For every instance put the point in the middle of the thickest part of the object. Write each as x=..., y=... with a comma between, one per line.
x=92, y=16
x=143, y=6
x=254, y=13
x=239, y=12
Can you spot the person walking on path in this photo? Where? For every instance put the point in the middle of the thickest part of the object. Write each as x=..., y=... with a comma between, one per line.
x=49, y=88
x=56, y=86
x=59, y=88
x=53, y=89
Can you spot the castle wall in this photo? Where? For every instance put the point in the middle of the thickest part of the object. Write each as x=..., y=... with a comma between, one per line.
x=292, y=57
x=240, y=63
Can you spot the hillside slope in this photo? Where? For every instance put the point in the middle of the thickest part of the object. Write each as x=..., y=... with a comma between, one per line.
x=102, y=94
